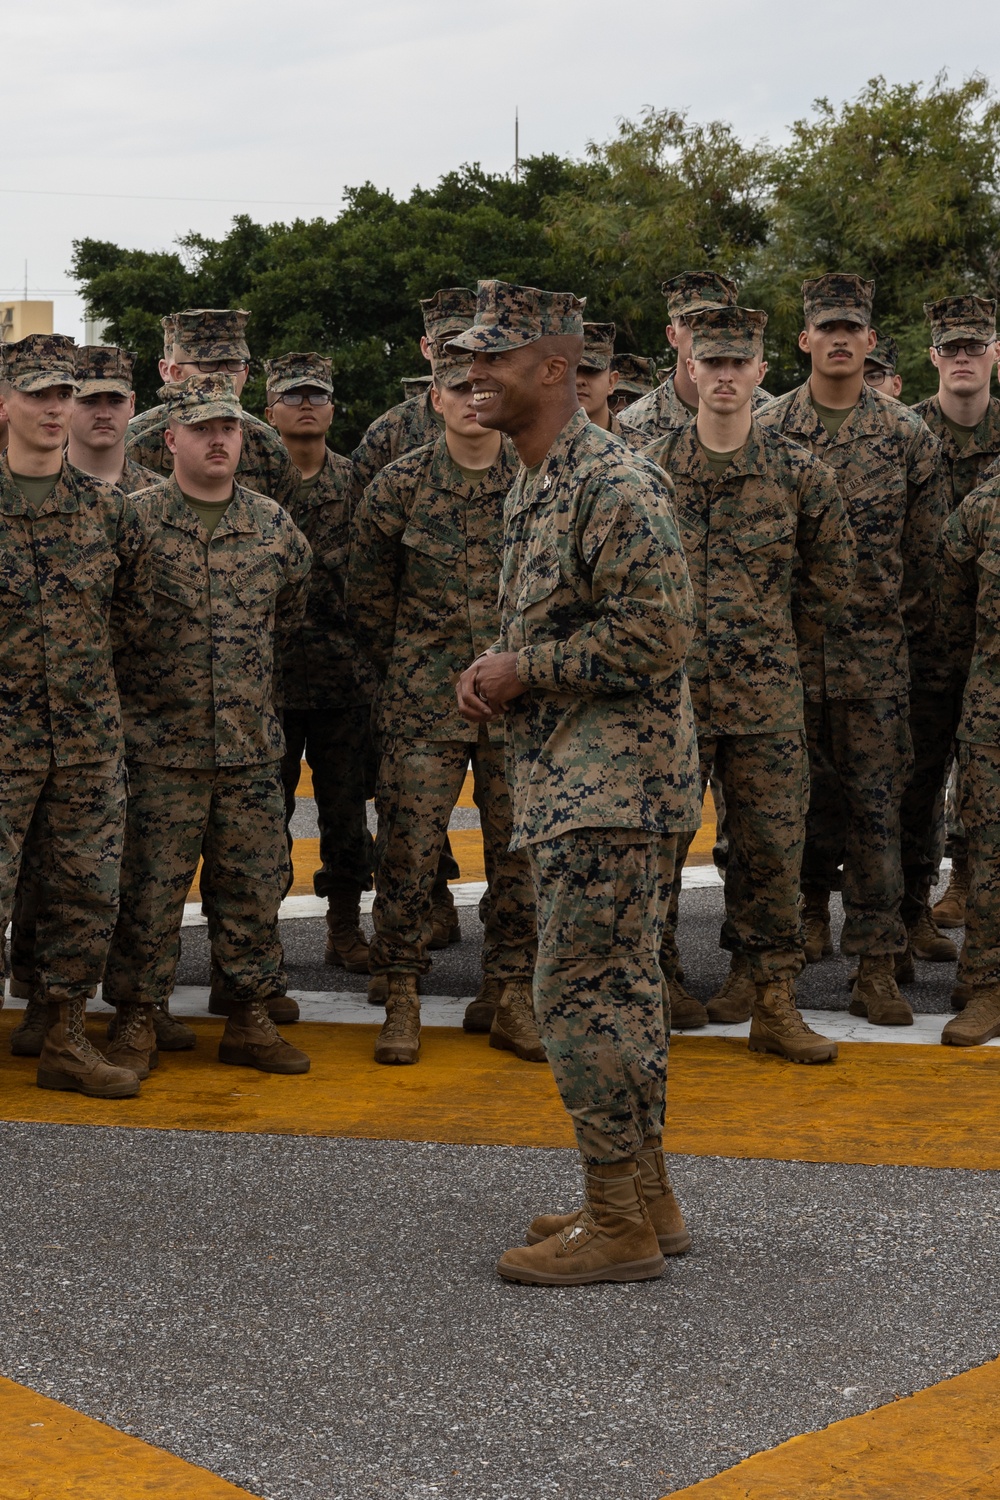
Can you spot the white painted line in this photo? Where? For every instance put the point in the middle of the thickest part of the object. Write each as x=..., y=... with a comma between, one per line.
x=298, y=907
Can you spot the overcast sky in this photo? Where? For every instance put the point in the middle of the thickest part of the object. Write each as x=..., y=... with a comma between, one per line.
x=136, y=122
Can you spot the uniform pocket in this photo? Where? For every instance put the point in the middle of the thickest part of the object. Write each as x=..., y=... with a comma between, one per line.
x=432, y=561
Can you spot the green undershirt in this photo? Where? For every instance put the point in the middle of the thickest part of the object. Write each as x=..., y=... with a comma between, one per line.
x=209, y=512
x=36, y=489
x=719, y=462
x=305, y=485
x=832, y=417
x=686, y=405
x=962, y=435
x=475, y=477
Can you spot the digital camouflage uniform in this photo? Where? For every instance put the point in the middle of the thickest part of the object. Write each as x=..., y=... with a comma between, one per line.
x=970, y=609
x=771, y=558
x=326, y=686
x=422, y=586
x=856, y=679
x=635, y=379
x=937, y=675
x=203, y=741
x=598, y=354
x=216, y=334
x=74, y=583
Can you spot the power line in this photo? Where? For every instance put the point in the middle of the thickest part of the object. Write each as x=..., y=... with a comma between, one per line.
x=39, y=291
x=160, y=198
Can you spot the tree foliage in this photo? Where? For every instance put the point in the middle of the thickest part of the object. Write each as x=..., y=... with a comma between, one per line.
x=898, y=184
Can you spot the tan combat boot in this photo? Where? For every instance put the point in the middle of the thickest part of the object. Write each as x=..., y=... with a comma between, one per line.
x=251, y=1040
x=346, y=944
x=661, y=1205
x=817, y=937
x=69, y=1061
x=479, y=1012
x=611, y=1239
x=777, y=1027
x=514, y=1029
x=734, y=1001
x=950, y=910
x=926, y=943
x=902, y=968
x=134, y=1045
x=29, y=1034
x=979, y=1021
x=875, y=994
x=445, y=926
x=681, y=1011
x=961, y=995
x=171, y=1035
x=399, y=1039
x=378, y=989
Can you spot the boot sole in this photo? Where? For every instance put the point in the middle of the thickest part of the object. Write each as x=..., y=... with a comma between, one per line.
x=687, y=1024
x=16, y=1050
x=857, y=1008
x=830, y=1055
x=633, y=1270
x=729, y=1020
x=67, y=1085
x=967, y=1041
x=670, y=1244
x=503, y=1043
x=238, y=1058
x=396, y=1060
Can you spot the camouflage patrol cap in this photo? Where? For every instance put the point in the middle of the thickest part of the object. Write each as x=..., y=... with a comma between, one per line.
x=510, y=317
x=414, y=384
x=598, y=346
x=727, y=333
x=694, y=290
x=636, y=374
x=169, y=325
x=39, y=361
x=970, y=318
x=211, y=333
x=103, y=369
x=289, y=371
x=838, y=297
x=451, y=366
x=448, y=312
x=885, y=354
x=200, y=398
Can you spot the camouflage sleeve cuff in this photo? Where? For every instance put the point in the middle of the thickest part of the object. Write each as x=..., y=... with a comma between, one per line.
x=535, y=665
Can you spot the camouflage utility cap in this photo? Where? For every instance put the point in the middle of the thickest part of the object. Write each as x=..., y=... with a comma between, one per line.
x=695, y=290
x=448, y=312
x=885, y=354
x=598, y=346
x=39, y=361
x=727, y=333
x=414, y=384
x=838, y=298
x=169, y=324
x=451, y=366
x=200, y=398
x=510, y=317
x=972, y=319
x=211, y=333
x=103, y=369
x=636, y=374
x=289, y=371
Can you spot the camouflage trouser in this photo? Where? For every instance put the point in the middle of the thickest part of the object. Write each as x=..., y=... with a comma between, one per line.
x=68, y=824
x=860, y=757
x=234, y=819
x=933, y=721
x=979, y=779
x=418, y=785
x=602, y=895
x=340, y=754
x=765, y=783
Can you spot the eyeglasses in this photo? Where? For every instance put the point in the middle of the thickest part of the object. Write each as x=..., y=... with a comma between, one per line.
x=949, y=351
x=216, y=366
x=296, y=398
x=877, y=377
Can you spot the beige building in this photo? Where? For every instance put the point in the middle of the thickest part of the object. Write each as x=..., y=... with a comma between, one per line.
x=18, y=319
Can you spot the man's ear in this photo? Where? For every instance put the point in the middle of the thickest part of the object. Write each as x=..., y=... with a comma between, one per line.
x=872, y=339
x=436, y=401
x=804, y=341
x=170, y=439
x=554, y=369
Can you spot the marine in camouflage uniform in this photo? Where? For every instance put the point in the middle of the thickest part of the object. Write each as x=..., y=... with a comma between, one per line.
x=880, y=366
x=771, y=558
x=203, y=741
x=207, y=340
x=597, y=615
x=412, y=424
x=970, y=611
x=326, y=686
x=966, y=420
x=666, y=408
x=596, y=378
x=422, y=585
x=857, y=679
x=102, y=370
x=635, y=379
x=75, y=581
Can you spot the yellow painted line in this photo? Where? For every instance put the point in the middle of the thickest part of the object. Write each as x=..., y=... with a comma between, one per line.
x=941, y=1444
x=907, y=1106
x=50, y=1452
